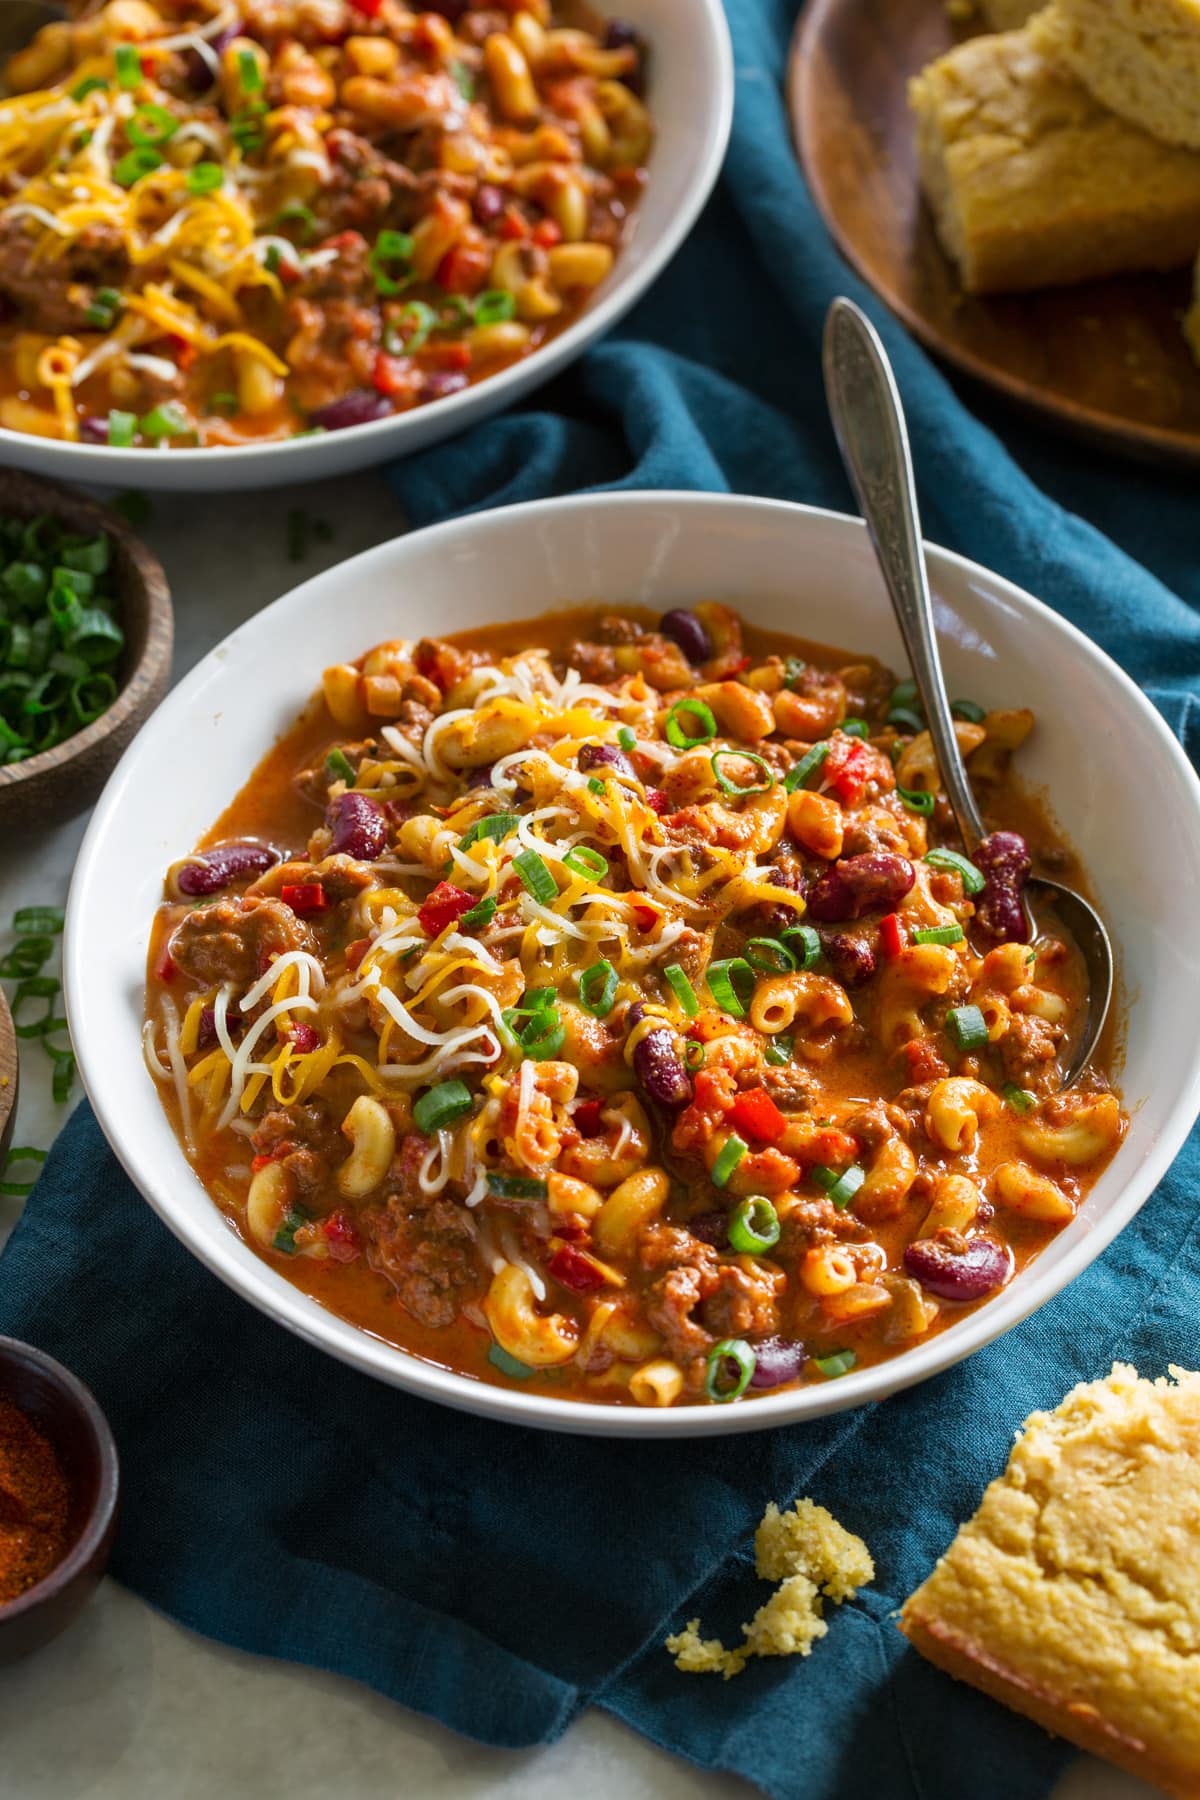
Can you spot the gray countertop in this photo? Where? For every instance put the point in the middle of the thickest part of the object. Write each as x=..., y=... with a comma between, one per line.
x=128, y=1705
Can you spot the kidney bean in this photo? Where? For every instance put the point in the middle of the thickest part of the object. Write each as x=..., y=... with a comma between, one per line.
x=206, y=1030
x=959, y=1275
x=1004, y=859
x=481, y=777
x=606, y=756
x=685, y=629
x=710, y=1228
x=94, y=430
x=443, y=382
x=304, y=1037
x=488, y=204
x=855, y=884
x=659, y=1067
x=214, y=869
x=619, y=35
x=359, y=827
x=851, y=958
x=361, y=407
x=777, y=1359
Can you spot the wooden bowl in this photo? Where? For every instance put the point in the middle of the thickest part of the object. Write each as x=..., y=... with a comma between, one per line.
x=61, y=1407
x=61, y=782
x=1105, y=361
x=8, y=1078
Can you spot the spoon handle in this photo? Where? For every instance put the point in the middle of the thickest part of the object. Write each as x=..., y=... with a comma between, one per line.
x=869, y=423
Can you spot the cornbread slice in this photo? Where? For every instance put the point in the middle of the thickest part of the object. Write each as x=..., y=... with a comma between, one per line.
x=1034, y=184
x=1140, y=57
x=1073, y=1595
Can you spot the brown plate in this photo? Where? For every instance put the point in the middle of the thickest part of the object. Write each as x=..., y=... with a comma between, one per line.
x=1106, y=361
x=59, y=783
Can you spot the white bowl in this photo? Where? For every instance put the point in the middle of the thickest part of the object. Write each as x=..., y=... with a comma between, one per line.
x=1123, y=797
x=691, y=99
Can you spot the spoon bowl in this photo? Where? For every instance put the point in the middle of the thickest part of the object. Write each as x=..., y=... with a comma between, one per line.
x=868, y=419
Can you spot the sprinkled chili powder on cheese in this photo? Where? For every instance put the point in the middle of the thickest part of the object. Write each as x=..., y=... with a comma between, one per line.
x=34, y=1502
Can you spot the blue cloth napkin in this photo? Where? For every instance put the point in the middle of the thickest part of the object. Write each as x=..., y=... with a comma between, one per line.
x=502, y=1580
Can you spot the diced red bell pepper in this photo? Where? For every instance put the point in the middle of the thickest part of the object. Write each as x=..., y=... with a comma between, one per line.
x=647, y=916
x=656, y=800
x=444, y=356
x=391, y=375
x=586, y=1118
x=513, y=225
x=462, y=269
x=847, y=769
x=576, y=1270
x=341, y=1237
x=282, y=1149
x=148, y=67
x=355, y=953
x=164, y=968
x=444, y=905
x=370, y=7
x=546, y=233
x=755, y=1115
x=304, y=897
x=303, y=1037
x=892, y=936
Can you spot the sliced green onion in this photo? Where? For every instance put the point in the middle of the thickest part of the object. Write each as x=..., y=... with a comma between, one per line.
x=89, y=85
x=95, y=636
x=904, y=694
x=728, y=1158
x=839, y=1362
x=717, y=1383
x=151, y=126
x=683, y=739
x=134, y=164
x=496, y=827
x=508, y=1037
x=626, y=738
x=439, y=1105
x=969, y=710
x=754, y=1226
x=842, y=1188
x=771, y=955
x=856, y=728
x=516, y=1187
x=64, y=1077
x=903, y=718
x=165, y=421
x=508, y=1365
x=391, y=247
x=338, y=764
x=39, y=919
x=249, y=73
x=805, y=944
x=285, y=1237
x=694, y=1054
x=544, y=1036
x=205, y=178
x=917, y=800
x=535, y=876
x=296, y=213
x=36, y=987
x=129, y=66
x=20, y=1153
x=941, y=934
x=729, y=786
x=481, y=914
x=26, y=958
x=122, y=429
x=778, y=1051
x=968, y=1027
x=246, y=127
x=423, y=319
x=463, y=78
x=595, y=786
x=537, y=1000
x=1019, y=1098
x=495, y=306
x=731, y=983
x=584, y=861
x=598, y=989
x=105, y=305
x=811, y=760
x=973, y=880
x=682, y=989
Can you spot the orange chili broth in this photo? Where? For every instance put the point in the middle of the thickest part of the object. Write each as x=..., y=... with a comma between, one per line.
x=268, y=806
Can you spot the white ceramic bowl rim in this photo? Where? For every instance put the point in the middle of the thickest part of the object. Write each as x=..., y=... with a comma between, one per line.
x=251, y=1278
x=293, y=459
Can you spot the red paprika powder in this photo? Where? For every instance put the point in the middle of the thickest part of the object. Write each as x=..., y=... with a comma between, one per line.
x=34, y=1502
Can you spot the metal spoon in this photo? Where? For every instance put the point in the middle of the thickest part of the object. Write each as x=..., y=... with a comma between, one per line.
x=868, y=419
x=21, y=20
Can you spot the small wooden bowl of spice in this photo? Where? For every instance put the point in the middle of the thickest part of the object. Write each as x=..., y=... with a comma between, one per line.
x=86, y=632
x=58, y=1497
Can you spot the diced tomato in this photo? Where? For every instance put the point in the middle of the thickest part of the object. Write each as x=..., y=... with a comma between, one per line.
x=342, y=1238
x=164, y=968
x=391, y=375
x=304, y=1038
x=576, y=1270
x=463, y=268
x=513, y=225
x=546, y=233
x=923, y=1061
x=892, y=937
x=755, y=1115
x=586, y=1118
x=656, y=800
x=304, y=897
x=444, y=356
x=282, y=1149
x=148, y=67
x=371, y=8
x=444, y=905
x=355, y=952
x=574, y=1230
x=847, y=769
x=647, y=916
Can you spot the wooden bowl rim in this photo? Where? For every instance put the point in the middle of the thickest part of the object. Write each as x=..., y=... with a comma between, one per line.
x=26, y=495
x=90, y=1542
x=1178, y=447
x=8, y=1095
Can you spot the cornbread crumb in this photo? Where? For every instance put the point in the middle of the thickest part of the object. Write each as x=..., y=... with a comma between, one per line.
x=1033, y=183
x=1074, y=1593
x=809, y=1540
x=808, y=1553
x=1140, y=57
